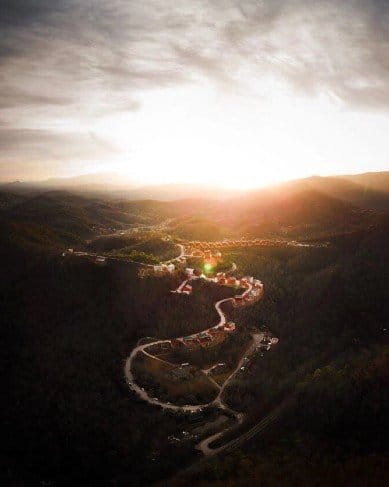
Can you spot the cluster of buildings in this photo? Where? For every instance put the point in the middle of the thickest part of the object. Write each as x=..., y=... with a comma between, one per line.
x=98, y=259
x=267, y=342
x=201, y=249
x=253, y=287
x=164, y=268
x=210, y=258
x=197, y=247
x=204, y=339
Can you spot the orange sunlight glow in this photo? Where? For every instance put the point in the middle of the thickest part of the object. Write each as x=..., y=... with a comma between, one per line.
x=196, y=135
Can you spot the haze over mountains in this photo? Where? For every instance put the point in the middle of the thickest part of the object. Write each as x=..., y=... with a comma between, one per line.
x=370, y=190
x=304, y=209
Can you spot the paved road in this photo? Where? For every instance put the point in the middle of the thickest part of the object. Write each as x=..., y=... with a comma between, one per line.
x=146, y=397
x=204, y=445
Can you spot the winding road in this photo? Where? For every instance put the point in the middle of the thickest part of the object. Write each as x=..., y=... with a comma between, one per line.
x=204, y=445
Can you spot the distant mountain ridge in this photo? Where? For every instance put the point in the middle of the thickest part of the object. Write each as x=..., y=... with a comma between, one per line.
x=114, y=187
x=304, y=209
x=368, y=190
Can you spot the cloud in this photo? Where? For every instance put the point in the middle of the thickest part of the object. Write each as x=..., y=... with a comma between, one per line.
x=66, y=59
x=38, y=145
x=124, y=46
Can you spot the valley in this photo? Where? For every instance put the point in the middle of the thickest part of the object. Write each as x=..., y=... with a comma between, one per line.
x=148, y=356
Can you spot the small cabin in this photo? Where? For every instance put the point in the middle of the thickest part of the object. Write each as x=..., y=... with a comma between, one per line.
x=100, y=260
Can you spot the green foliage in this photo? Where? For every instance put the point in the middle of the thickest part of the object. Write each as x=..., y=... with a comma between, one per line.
x=196, y=228
x=135, y=255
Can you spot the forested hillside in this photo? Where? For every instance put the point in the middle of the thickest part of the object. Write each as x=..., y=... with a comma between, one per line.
x=68, y=325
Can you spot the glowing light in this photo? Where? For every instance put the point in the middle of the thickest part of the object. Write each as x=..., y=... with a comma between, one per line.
x=207, y=267
x=190, y=134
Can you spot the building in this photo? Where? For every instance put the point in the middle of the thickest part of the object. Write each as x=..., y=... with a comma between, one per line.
x=100, y=260
x=231, y=281
x=189, y=271
x=170, y=267
x=203, y=334
x=238, y=300
x=187, y=289
x=207, y=254
x=230, y=326
x=218, y=334
x=205, y=341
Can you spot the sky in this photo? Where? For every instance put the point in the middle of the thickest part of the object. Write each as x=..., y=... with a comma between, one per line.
x=235, y=93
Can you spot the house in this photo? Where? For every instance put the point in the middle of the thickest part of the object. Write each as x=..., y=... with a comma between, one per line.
x=100, y=260
x=190, y=340
x=205, y=341
x=231, y=281
x=203, y=334
x=170, y=268
x=189, y=272
x=197, y=253
x=216, y=331
x=158, y=268
x=249, y=279
x=238, y=300
x=230, y=326
x=187, y=289
x=222, y=281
